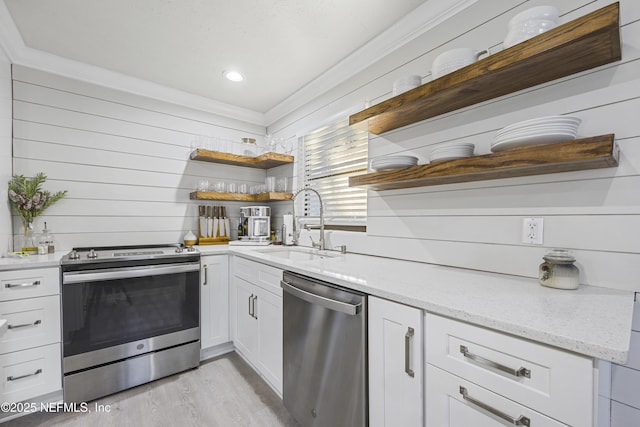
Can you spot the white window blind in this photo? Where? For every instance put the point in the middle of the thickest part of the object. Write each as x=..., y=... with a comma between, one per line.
x=331, y=155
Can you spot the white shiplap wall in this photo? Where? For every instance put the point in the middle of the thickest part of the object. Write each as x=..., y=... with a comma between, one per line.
x=123, y=159
x=478, y=225
x=6, y=243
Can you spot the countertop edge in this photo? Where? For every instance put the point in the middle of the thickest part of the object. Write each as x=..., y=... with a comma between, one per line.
x=616, y=353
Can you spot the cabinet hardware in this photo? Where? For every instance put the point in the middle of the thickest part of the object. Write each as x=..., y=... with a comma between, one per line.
x=520, y=421
x=407, y=352
x=206, y=269
x=255, y=314
x=24, y=325
x=520, y=372
x=22, y=285
x=12, y=378
x=250, y=305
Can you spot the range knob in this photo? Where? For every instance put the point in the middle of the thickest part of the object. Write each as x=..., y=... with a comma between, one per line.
x=92, y=254
x=178, y=249
x=191, y=249
x=74, y=254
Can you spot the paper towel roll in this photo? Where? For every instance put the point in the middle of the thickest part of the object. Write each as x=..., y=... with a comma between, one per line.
x=287, y=238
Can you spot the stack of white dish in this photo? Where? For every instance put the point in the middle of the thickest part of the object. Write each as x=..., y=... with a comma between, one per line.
x=530, y=23
x=406, y=83
x=393, y=162
x=543, y=130
x=454, y=59
x=452, y=150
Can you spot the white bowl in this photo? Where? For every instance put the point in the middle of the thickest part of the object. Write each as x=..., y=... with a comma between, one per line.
x=527, y=30
x=454, y=59
x=406, y=83
x=540, y=12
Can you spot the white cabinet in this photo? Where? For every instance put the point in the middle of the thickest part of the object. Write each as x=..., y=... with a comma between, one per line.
x=507, y=372
x=30, y=352
x=246, y=330
x=395, y=364
x=257, y=317
x=454, y=402
x=214, y=300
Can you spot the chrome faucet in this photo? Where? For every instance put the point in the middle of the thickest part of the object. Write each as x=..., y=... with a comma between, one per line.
x=320, y=245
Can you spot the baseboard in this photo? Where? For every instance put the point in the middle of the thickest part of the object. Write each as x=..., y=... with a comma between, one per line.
x=215, y=351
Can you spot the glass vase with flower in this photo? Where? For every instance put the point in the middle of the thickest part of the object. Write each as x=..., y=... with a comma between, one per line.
x=29, y=200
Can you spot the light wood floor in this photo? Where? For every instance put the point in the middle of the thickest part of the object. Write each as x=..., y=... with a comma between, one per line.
x=223, y=392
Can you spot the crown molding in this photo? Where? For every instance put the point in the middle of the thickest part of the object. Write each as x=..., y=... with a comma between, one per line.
x=411, y=26
x=20, y=54
x=416, y=23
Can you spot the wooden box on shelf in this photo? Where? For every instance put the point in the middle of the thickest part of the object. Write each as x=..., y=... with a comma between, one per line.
x=584, y=43
x=578, y=154
x=263, y=161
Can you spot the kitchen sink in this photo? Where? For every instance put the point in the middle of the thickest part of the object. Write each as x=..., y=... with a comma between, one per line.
x=300, y=254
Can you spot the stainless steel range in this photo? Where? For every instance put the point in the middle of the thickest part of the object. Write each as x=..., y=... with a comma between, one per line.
x=130, y=315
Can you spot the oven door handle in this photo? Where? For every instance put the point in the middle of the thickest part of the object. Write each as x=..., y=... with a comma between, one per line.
x=127, y=272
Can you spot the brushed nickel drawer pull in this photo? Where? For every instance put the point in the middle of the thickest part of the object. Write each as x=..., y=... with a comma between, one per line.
x=11, y=378
x=206, y=271
x=22, y=285
x=24, y=325
x=407, y=352
x=520, y=372
x=520, y=421
x=255, y=313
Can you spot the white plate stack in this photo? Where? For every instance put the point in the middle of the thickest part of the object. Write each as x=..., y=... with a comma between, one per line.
x=452, y=150
x=393, y=162
x=540, y=131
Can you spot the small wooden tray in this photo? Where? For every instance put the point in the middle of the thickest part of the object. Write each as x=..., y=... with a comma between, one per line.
x=213, y=241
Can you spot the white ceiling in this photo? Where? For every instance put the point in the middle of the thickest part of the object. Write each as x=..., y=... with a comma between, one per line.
x=279, y=45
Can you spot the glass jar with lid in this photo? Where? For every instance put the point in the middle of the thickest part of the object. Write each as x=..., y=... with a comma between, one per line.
x=558, y=270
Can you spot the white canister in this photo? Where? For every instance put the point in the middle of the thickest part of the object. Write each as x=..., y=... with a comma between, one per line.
x=558, y=271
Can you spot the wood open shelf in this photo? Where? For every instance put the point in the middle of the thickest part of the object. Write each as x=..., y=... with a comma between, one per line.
x=263, y=161
x=582, y=44
x=578, y=154
x=262, y=197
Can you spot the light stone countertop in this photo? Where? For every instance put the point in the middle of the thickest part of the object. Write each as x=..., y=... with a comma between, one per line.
x=31, y=261
x=591, y=320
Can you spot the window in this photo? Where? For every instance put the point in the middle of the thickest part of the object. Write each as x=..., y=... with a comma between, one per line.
x=331, y=155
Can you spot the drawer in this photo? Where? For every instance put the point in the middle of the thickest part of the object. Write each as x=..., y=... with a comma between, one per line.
x=454, y=402
x=549, y=380
x=31, y=323
x=263, y=275
x=30, y=373
x=17, y=284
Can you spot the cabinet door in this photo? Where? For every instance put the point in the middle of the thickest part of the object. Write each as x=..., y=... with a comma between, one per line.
x=246, y=325
x=30, y=373
x=268, y=310
x=214, y=300
x=395, y=364
x=454, y=402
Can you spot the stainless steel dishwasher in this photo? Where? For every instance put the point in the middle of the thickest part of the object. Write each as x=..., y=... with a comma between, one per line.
x=324, y=352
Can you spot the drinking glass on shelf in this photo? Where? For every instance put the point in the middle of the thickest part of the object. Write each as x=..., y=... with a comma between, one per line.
x=281, y=184
x=220, y=187
x=243, y=188
x=232, y=187
x=203, y=185
x=270, y=183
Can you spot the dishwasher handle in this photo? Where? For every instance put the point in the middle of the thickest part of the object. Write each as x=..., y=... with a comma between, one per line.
x=331, y=304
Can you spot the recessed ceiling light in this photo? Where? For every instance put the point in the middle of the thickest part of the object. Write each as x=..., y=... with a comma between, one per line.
x=233, y=76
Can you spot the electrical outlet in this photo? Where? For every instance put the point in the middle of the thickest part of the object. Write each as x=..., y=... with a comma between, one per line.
x=532, y=230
